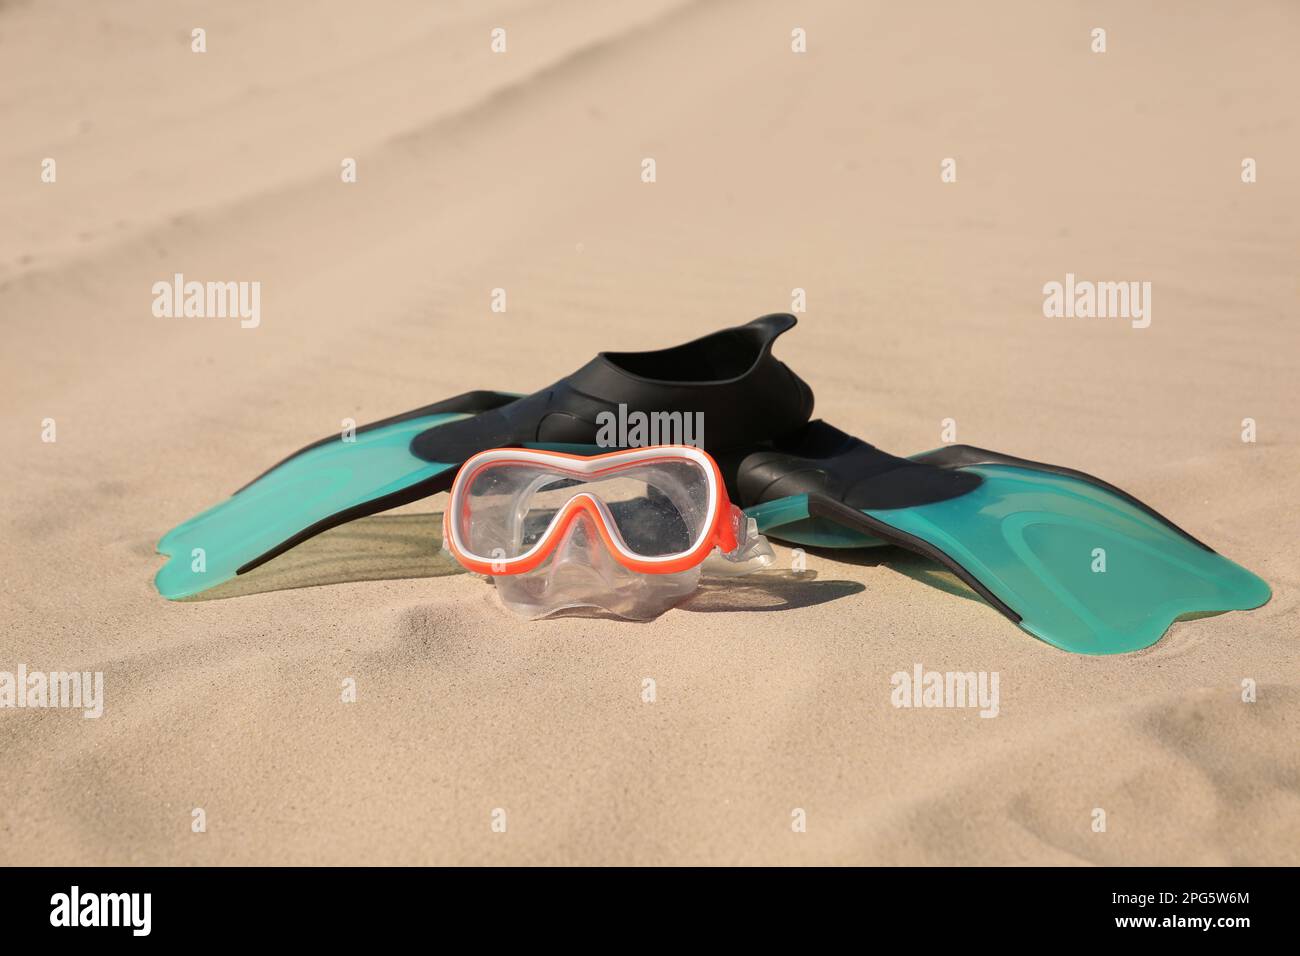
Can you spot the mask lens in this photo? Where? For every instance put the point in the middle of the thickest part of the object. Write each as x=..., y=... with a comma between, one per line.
x=655, y=509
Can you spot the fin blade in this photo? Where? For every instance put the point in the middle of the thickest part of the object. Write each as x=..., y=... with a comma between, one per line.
x=1072, y=560
x=321, y=486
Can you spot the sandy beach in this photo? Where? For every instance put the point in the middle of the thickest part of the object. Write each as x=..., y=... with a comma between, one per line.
x=775, y=171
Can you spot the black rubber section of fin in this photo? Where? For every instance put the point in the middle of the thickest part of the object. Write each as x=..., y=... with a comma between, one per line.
x=819, y=506
x=730, y=379
x=822, y=460
x=964, y=456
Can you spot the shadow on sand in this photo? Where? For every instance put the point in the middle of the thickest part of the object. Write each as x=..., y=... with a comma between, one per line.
x=396, y=547
x=375, y=548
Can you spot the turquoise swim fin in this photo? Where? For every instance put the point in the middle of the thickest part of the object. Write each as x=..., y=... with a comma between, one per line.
x=1073, y=560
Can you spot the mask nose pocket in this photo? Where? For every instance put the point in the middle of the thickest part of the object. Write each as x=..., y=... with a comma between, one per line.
x=581, y=573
